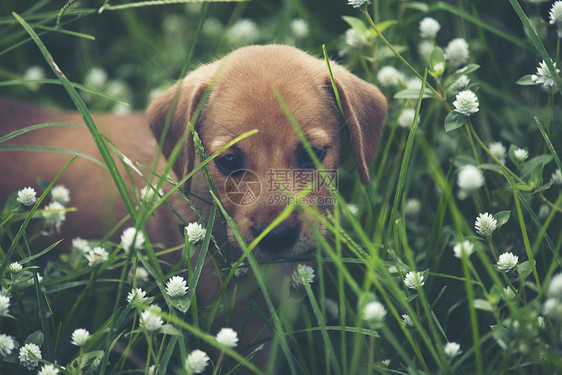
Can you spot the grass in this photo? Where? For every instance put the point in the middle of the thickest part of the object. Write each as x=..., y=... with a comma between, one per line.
x=357, y=315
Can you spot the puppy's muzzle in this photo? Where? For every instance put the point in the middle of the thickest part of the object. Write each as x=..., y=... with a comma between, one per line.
x=282, y=237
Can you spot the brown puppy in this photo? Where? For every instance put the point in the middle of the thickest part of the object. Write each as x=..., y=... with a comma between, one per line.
x=235, y=95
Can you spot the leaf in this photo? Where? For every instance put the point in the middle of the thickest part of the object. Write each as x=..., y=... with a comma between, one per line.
x=357, y=24
x=461, y=72
x=502, y=217
x=36, y=338
x=413, y=94
x=168, y=329
x=523, y=270
x=526, y=80
x=180, y=303
x=454, y=120
x=437, y=62
x=483, y=305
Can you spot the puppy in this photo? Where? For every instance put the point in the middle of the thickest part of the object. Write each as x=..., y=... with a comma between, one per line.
x=255, y=179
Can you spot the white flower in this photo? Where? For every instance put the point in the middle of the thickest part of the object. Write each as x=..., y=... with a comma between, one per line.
x=466, y=247
x=195, y=233
x=196, y=362
x=498, y=150
x=176, y=286
x=470, y=178
x=412, y=207
x=48, y=370
x=388, y=76
x=374, y=312
x=96, y=77
x=137, y=293
x=540, y=322
x=452, y=349
x=357, y=3
x=227, y=337
x=556, y=177
x=353, y=208
x=97, y=256
x=414, y=83
x=80, y=336
x=33, y=73
x=141, y=274
x=241, y=270
x=553, y=308
x=414, y=280
x=543, y=76
x=26, y=196
x=425, y=48
x=438, y=68
x=54, y=214
x=466, y=103
x=407, y=320
x=117, y=88
x=303, y=272
x=555, y=287
x=15, y=267
x=508, y=293
x=4, y=304
x=457, y=52
x=485, y=224
x=429, y=27
x=149, y=196
x=555, y=15
x=81, y=246
x=121, y=108
x=6, y=345
x=29, y=355
x=299, y=27
x=60, y=194
x=150, y=320
x=244, y=31
x=506, y=262
x=460, y=83
x=406, y=118
x=128, y=236
x=520, y=154
x=355, y=39
x=151, y=370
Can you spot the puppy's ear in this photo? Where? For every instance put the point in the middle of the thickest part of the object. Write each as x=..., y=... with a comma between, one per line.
x=185, y=97
x=364, y=107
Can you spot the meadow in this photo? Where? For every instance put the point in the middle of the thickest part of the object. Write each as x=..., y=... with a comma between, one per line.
x=448, y=262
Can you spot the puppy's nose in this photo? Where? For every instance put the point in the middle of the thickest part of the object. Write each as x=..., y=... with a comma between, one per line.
x=280, y=238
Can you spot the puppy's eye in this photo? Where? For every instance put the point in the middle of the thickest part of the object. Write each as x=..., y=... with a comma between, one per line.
x=305, y=161
x=229, y=163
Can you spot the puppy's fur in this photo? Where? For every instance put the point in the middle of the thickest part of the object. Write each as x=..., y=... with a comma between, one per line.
x=234, y=95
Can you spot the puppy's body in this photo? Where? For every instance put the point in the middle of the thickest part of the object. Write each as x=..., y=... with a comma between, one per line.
x=235, y=95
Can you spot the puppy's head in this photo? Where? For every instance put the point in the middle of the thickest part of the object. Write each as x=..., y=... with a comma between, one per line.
x=260, y=175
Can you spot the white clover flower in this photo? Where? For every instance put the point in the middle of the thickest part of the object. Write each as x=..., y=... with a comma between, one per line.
x=457, y=52
x=407, y=321
x=48, y=369
x=466, y=248
x=385, y=362
x=543, y=76
x=425, y=48
x=540, y=322
x=196, y=362
x=141, y=274
x=466, y=103
x=97, y=256
x=452, y=349
x=556, y=177
x=227, y=337
x=116, y=88
x=355, y=39
x=414, y=83
x=460, y=83
x=332, y=308
x=520, y=154
x=498, y=150
x=429, y=27
x=244, y=31
x=26, y=196
x=470, y=178
x=7, y=344
x=414, y=280
x=176, y=286
x=81, y=246
x=54, y=214
x=150, y=320
x=353, y=208
x=60, y=194
x=4, y=304
x=152, y=370
x=357, y=3
x=149, y=196
x=412, y=207
x=131, y=239
x=388, y=76
x=96, y=78
x=80, y=336
x=555, y=15
x=34, y=72
x=506, y=262
x=299, y=27
x=29, y=355
x=553, y=308
x=303, y=272
x=15, y=267
x=555, y=287
x=406, y=118
x=374, y=312
x=195, y=233
x=485, y=224
x=138, y=294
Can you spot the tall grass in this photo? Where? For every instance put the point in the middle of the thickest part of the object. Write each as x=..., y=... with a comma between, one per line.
x=404, y=281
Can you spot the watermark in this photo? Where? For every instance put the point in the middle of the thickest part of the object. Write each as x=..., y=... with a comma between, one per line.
x=243, y=187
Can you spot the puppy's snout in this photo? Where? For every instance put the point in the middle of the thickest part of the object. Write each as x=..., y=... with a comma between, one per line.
x=280, y=238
